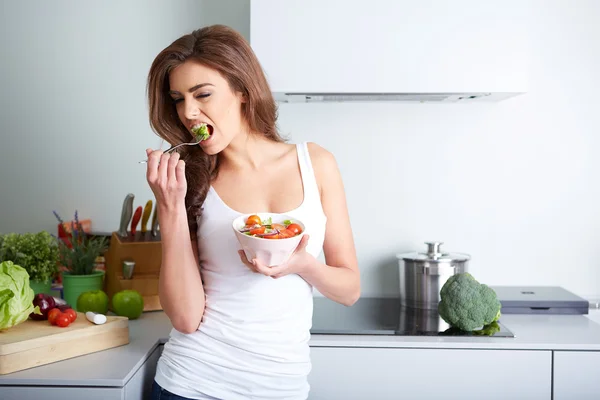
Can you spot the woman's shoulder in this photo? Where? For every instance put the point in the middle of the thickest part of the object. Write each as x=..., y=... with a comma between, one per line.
x=321, y=158
x=324, y=165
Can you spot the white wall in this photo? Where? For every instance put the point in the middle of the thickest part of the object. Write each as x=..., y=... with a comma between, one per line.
x=73, y=111
x=513, y=183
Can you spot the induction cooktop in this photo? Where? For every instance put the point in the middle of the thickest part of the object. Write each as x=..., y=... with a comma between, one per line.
x=385, y=316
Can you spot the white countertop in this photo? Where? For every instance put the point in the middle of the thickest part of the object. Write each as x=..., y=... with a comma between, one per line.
x=114, y=367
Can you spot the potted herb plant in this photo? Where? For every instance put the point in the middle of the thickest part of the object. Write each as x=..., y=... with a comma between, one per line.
x=37, y=253
x=78, y=253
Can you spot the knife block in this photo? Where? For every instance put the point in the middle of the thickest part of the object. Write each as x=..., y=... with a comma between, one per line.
x=146, y=251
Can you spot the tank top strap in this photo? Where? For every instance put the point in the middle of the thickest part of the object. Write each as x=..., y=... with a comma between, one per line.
x=309, y=180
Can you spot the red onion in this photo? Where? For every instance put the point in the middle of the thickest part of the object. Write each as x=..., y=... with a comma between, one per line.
x=45, y=303
x=249, y=228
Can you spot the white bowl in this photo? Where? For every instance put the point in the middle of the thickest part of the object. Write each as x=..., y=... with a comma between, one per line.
x=270, y=252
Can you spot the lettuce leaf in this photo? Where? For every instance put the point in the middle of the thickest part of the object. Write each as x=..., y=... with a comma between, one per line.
x=16, y=297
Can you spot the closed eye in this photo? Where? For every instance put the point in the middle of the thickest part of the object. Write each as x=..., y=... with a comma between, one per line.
x=200, y=96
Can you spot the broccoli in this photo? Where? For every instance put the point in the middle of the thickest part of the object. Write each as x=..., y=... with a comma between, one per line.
x=467, y=304
x=201, y=132
x=488, y=330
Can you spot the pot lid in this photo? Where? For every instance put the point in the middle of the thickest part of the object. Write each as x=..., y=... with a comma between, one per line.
x=433, y=254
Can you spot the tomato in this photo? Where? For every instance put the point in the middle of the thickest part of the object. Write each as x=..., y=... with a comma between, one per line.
x=279, y=227
x=72, y=314
x=52, y=314
x=295, y=229
x=285, y=233
x=63, y=320
x=276, y=236
x=257, y=231
x=253, y=220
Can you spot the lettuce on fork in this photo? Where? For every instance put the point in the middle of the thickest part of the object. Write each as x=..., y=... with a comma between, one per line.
x=16, y=296
x=201, y=132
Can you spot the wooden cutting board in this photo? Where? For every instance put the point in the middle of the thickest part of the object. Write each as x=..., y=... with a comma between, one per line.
x=34, y=343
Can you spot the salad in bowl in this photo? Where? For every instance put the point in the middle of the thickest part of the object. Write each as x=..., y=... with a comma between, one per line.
x=269, y=237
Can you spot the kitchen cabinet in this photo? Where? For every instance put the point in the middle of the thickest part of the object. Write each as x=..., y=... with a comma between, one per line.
x=550, y=355
x=393, y=373
x=576, y=375
x=137, y=388
x=59, y=393
x=460, y=46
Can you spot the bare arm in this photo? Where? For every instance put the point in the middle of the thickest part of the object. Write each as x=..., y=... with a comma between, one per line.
x=180, y=285
x=339, y=278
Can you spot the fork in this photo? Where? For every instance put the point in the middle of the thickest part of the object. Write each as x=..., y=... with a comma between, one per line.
x=173, y=148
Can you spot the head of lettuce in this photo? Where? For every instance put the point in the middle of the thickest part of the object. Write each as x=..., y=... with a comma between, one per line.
x=16, y=297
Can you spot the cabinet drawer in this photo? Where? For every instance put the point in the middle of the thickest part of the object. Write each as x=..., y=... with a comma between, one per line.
x=59, y=393
x=375, y=373
x=576, y=375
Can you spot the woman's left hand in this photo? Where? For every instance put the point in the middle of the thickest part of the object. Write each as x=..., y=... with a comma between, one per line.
x=298, y=262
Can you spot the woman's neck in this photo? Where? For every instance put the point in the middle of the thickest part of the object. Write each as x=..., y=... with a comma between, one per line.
x=248, y=150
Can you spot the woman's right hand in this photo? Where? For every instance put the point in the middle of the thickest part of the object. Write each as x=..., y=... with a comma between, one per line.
x=166, y=176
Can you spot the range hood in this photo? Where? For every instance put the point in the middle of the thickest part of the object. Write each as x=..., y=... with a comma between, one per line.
x=384, y=97
x=435, y=51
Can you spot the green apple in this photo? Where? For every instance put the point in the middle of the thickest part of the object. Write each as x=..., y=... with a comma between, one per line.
x=93, y=300
x=128, y=303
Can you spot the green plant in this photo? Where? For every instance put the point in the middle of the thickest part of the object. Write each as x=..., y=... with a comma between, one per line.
x=467, y=304
x=78, y=250
x=36, y=252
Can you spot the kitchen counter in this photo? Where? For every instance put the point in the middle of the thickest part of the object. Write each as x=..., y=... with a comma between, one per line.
x=115, y=367
x=532, y=332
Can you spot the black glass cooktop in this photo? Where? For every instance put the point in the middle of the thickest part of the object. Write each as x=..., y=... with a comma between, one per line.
x=385, y=316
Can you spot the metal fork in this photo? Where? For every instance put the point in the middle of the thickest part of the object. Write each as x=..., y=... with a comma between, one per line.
x=173, y=148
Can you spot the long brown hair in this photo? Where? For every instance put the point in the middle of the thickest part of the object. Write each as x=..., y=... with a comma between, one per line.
x=226, y=51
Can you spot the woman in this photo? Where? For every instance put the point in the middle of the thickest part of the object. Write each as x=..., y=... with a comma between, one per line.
x=241, y=329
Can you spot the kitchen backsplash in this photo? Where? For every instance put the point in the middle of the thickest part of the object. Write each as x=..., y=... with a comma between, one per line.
x=511, y=183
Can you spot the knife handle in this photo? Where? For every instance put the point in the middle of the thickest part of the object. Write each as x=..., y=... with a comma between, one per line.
x=155, y=221
x=146, y=215
x=126, y=213
x=136, y=218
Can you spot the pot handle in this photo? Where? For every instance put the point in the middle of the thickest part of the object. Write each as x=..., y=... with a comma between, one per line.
x=433, y=249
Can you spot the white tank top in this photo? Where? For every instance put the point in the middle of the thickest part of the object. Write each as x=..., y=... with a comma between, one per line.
x=252, y=342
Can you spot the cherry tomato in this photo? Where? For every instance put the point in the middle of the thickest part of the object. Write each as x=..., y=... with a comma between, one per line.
x=52, y=314
x=63, y=320
x=257, y=231
x=286, y=233
x=295, y=229
x=279, y=227
x=72, y=314
x=276, y=236
x=253, y=220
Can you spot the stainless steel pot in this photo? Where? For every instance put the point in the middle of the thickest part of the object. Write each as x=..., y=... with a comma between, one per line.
x=422, y=275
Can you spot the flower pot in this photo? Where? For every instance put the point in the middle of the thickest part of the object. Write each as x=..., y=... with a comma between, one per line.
x=41, y=287
x=74, y=285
